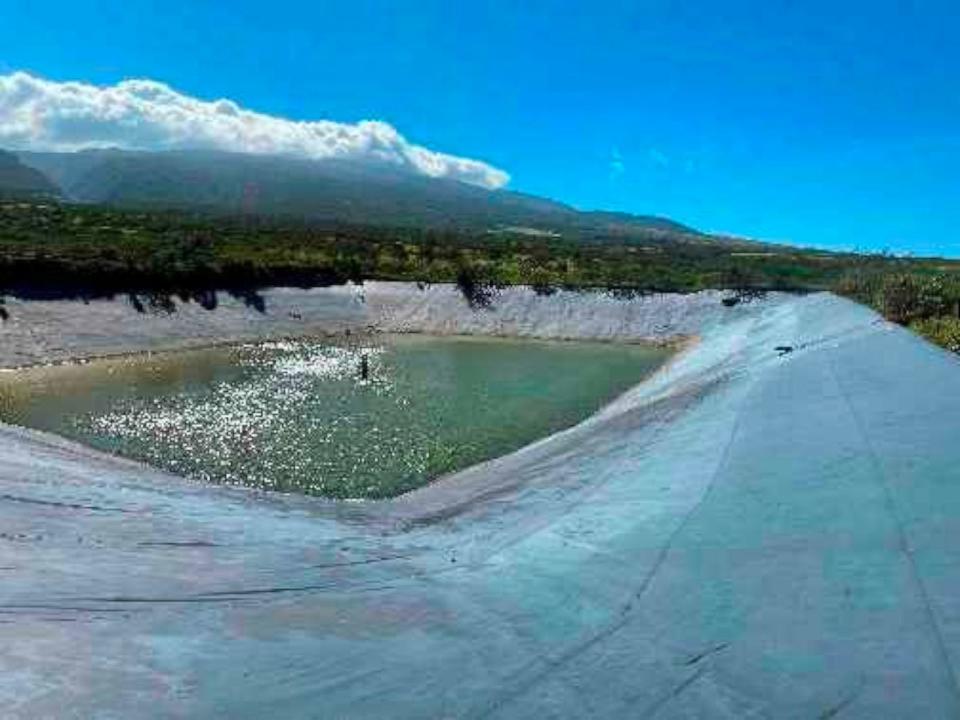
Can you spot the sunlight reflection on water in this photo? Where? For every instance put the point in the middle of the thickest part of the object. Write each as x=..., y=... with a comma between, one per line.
x=298, y=415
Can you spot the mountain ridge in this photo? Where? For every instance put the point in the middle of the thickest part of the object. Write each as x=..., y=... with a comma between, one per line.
x=321, y=191
x=20, y=181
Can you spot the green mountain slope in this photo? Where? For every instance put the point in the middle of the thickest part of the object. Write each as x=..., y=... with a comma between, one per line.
x=20, y=181
x=327, y=190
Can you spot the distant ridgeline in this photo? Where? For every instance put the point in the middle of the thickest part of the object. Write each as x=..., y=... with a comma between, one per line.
x=342, y=191
x=19, y=181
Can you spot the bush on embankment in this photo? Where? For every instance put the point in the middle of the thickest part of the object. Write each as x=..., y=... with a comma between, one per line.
x=926, y=301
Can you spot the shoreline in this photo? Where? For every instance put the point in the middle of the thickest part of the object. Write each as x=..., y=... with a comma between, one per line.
x=677, y=344
x=677, y=347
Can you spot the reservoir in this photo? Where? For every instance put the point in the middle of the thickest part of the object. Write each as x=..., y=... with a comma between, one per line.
x=361, y=418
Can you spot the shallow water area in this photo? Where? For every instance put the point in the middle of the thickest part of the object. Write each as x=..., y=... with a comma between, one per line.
x=345, y=419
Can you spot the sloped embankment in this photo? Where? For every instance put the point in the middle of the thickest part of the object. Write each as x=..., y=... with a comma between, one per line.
x=56, y=331
x=748, y=533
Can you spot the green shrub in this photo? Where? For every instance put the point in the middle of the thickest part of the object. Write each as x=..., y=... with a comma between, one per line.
x=900, y=297
x=943, y=331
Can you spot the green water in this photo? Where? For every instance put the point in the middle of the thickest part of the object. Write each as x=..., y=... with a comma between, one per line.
x=298, y=416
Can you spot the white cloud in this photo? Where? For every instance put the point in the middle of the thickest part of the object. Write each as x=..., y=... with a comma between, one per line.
x=41, y=114
x=617, y=165
x=658, y=158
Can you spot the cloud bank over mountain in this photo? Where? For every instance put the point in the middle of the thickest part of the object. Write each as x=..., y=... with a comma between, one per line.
x=39, y=114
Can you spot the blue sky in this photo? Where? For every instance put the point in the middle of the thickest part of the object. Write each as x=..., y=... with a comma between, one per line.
x=832, y=124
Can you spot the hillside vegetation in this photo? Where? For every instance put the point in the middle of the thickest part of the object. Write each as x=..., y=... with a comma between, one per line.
x=84, y=250
x=303, y=190
x=55, y=250
x=923, y=296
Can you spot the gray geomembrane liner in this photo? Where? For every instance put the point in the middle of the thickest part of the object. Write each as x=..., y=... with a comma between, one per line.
x=743, y=535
